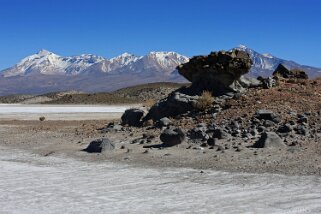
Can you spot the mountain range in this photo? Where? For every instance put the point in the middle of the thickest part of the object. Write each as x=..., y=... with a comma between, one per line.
x=47, y=72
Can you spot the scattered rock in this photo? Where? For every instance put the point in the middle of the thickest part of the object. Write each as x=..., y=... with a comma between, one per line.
x=285, y=128
x=100, y=145
x=269, y=140
x=302, y=130
x=175, y=104
x=165, y=121
x=198, y=133
x=269, y=82
x=132, y=117
x=219, y=133
x=211, y=141
x=172, y=137
x=264, y=114
x=284, y=72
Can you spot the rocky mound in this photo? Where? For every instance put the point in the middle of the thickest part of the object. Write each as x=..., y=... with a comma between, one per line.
x=265, y=128
x=220, y=73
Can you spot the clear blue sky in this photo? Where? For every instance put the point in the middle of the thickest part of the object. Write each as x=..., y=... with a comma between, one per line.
x=289, y=29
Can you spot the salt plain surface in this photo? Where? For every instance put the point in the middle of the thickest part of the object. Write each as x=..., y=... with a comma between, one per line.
x=60, y=112
x=33, y=184
x=21, y=108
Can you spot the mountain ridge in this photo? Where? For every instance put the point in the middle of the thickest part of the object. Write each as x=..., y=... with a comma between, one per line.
x=46, y=71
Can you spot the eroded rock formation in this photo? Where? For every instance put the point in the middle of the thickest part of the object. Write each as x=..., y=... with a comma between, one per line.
x=219, y=72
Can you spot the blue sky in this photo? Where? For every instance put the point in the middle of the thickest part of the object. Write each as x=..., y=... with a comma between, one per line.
x=289, y=29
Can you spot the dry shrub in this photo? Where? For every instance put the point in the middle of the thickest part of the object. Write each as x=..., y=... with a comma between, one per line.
x=205, y=100
x=42, y=118
x=149, y=103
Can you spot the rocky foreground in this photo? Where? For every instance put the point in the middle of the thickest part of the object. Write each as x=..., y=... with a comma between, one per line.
x=222, y=121
x=227, y=121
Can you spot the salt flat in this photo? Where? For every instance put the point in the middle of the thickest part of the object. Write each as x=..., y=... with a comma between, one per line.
x=34, y=184
x=60, y=112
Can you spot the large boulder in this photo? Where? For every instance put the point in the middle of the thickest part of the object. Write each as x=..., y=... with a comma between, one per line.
x=132, y=117
x=282, y=71
x=176, y=103
x=172, y=136
x=219, y=72
x=100, y=145
x=269, y=140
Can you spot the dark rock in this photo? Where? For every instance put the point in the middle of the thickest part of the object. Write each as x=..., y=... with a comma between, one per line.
x=172, y=137
x=282, y=71
x=264, y=114
x=269, y=140
x=175, y=104
x=269, y=82
x=198, y=133
x=132, y=117
x=203, y=145
x=148, y=136
x=219, y=133
x=219, y=72
x=285, y=128
x=302, y=130
x=268, y=123
x=100, y=145
x=291, y=122
x=302, y=119
x=211, y=141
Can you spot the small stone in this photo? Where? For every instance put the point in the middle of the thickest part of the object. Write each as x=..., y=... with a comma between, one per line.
x=238, y=149
x=220, y=148
x=100, y=145
x=269, y=140
x=211, y=141
x=165, y=121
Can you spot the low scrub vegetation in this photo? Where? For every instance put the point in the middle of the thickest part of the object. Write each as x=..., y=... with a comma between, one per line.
x=205, y=100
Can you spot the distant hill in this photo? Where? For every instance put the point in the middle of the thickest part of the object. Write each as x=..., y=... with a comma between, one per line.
x=136, y=94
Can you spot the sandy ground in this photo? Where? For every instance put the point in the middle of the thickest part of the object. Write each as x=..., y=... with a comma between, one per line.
x=69, y=138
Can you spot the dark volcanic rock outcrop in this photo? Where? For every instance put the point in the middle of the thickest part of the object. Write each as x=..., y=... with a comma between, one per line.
x=282, y=71
x=219, y=72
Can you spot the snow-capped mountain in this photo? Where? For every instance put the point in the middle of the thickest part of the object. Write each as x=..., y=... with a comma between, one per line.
x=47, y=72
x=48, y=63
x=265, y=64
